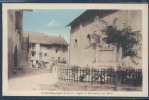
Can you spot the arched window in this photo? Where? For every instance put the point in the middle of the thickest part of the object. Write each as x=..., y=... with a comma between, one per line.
x=75, y=40
x=88, y=39
x=75, y=46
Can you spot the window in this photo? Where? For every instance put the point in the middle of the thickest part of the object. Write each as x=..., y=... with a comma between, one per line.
x=45, y=54
x=33, y=46
x=33, y=53
x=63, y=61
x=40, y=54
x=75, y=46
x=75, y=40
x=56, y=50
x=59, y=58
x=36, y=61
x=89, y=38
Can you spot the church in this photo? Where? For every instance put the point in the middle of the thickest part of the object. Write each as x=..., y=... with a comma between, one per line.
x=88, y=23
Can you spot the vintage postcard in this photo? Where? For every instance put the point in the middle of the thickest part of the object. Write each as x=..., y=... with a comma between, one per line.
x=75, y=50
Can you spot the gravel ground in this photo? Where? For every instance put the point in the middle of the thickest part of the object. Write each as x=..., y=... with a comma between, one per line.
x=45, y=80
x=95, y=87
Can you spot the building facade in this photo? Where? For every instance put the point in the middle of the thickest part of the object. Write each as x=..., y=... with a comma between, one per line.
x=88, y=23
x=46, y=50
x=14, y=39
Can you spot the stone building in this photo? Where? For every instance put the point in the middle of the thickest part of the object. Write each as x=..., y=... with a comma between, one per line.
x=46, y=50
x=89, y=23
x=14, y=39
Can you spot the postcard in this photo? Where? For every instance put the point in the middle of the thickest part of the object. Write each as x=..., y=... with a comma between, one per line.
x=75, y=50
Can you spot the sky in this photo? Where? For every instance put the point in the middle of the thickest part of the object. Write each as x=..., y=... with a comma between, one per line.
x=50, y=22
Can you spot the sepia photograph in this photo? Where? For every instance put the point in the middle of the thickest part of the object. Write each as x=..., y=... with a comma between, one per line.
x=93, y=50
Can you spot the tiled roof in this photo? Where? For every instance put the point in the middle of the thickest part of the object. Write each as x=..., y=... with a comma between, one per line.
x=36, y=37
x=89, y=14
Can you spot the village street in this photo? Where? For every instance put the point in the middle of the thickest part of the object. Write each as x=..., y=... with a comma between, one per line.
x=88, y=60
x=48, y=81
x=38, y=81
x=44, y=79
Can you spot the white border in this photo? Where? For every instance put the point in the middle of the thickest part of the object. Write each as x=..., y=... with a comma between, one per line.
x=143, y=7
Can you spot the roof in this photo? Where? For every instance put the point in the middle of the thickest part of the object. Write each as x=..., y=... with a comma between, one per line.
x=91, y=14
x=36, y=37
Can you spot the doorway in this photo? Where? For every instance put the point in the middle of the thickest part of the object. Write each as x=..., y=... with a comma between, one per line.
x=15, y=57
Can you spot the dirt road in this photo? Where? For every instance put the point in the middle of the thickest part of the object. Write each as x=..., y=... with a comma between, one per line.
x=33, y=82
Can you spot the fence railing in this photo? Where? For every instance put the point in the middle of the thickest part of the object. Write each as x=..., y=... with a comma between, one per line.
x=131, y=77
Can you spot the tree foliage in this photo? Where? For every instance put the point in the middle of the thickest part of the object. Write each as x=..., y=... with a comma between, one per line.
x=125, y=38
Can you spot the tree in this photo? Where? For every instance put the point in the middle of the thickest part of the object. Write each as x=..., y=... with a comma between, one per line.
x=125, y=38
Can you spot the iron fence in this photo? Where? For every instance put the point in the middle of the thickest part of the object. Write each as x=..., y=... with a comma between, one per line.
x=130, y=77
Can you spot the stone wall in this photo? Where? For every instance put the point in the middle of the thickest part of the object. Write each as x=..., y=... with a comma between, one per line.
x=14, y=39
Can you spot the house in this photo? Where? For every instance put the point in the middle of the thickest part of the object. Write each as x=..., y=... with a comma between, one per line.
x=14, y=39
x=46, y=50
x=88, y=23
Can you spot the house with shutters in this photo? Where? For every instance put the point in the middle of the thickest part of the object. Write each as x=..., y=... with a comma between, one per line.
x=46, y=50
x=88, y=23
